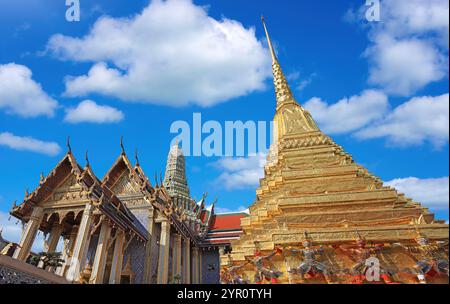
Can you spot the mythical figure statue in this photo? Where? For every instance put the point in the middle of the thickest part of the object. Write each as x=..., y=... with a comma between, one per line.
x=428, y=257
x=262, y=270
x=309, y=263
x=360, y=253
x=230, y=274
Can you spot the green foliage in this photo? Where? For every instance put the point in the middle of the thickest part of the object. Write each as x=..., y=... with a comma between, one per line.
x=49, y=259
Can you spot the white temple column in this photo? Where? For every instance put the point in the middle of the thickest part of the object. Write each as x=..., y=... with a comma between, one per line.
x=98, y=267
x=149, y=248
x=177, y=256
x=117, y=261
x=194, y=265
x=164, y=246
x=69, y=243
x=29, y=234
x=187, y=264
x=81, y=244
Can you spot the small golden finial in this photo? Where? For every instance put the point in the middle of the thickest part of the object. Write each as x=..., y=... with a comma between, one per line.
x=121, y=145
x=87, y=159
x=14, y=206
x=41, y=178
x=27, y=193
x=136, y=157
x=269, y=41
x=69, y=148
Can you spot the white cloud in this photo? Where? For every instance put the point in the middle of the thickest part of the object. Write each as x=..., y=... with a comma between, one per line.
x=414, y=122
x=172, y=53
x=409, y=46
x=240, y=172
x=12, y=231
x=21, y=95
x=222, y=210
x=29, y=144
x=402, y=67
x=348, y=114
x=89, y=111
x=432, y=192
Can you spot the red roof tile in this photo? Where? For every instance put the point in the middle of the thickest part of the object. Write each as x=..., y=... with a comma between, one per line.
x=224, y=222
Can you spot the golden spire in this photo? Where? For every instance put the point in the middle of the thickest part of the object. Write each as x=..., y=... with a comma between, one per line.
x=272, y=51
x=282, y=90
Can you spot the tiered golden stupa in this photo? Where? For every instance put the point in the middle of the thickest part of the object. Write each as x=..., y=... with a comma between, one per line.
x=319, y=217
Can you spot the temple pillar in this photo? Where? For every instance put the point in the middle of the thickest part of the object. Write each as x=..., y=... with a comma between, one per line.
x=98, y=267
x=52, y=241
x=149, y=248
x=200, y=256
x=117, y=260
x=29, y=234
x=187, y=259
x=194, y=270
x=81, y=244
x=68, y=250
x=177, y=256
x=164, y=246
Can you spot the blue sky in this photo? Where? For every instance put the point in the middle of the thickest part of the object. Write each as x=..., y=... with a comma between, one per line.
x=379, y=89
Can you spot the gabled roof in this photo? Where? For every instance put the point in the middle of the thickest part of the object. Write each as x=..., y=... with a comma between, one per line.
x=99, y=194
x=62, y=170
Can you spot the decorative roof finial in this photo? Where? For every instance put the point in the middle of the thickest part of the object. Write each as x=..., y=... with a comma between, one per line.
x=272, y=51
x=156, y=179
x=14, y=206
x=87, y=159
x=136, y=157
x=121, y=145
x=69, y=148
x=27, y=193
x=41, y=178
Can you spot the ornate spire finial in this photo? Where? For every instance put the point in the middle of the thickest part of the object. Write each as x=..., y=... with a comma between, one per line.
x=69, y=148
x=136, y=157
x=121, y=145
x=269, y=41
x=87, y=159
x=41, y=178
x=27, y=193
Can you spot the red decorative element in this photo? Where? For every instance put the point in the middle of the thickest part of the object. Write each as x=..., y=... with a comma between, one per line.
x=278, y=250
x=274, y=281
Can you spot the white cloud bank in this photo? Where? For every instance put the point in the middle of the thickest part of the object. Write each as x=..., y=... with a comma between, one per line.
x=416, y=121
x=21, y=95
x=29, y=144
x=348, y=114
x=89, y=111
x=409, y=46
x=240, y=172
x=432, y=192
x=171, y=53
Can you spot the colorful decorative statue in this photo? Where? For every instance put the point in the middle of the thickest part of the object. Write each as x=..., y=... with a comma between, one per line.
x=309, y=264
x=262, y=271
x=360, y=254
x=429, y=258
x=230, y=274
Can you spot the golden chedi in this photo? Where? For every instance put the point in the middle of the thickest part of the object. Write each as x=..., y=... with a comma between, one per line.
x=321, y=218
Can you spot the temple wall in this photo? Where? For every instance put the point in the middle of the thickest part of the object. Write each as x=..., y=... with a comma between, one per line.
x=137, y=251
x=210, y=267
